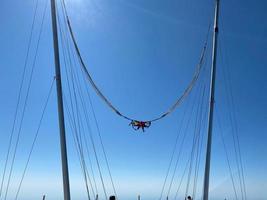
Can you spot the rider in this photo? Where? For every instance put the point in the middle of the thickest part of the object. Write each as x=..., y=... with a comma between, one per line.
x=189, y=198
x=112, y=198
x=140, y=124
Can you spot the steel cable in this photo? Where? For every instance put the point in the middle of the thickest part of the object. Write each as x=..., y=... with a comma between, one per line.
x=19, y=96
x=25, y=102
x=35, y=139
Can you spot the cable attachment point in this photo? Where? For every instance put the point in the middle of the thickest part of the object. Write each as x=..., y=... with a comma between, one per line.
x=56, y=77
x=140, y=124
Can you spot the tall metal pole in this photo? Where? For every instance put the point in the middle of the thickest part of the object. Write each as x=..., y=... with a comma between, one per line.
x=64, y=158
x=211, y=106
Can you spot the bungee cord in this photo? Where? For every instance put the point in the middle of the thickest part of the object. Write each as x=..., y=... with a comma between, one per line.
x=76, y=131
x=74, y=79
x=188, y=111
x=77, y=127
x=136, y=124
x=73, y=116
x=81, y=96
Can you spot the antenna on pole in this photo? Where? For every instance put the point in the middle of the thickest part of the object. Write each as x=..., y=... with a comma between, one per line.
x=64, y=159
x=211, y=103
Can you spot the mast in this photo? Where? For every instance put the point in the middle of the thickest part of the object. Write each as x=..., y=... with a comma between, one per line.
x=63, y=147
x=211, y=103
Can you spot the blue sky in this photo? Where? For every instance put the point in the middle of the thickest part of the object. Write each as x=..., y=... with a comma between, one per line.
x=142, y=54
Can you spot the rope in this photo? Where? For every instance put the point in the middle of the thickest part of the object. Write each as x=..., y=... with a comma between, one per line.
x=173, y=152
x=202, y=121
x=233, y=123
x=195, y=139
x=101, y=142
x=94, y=148
x=182, y=178
x=199, y=143
x=91, y=138
x=19, y=96
x=35, y=139
x=227, y=156
x=187, y=125
x=101, y=95
x=181, y=147
x=77, y=145
x=90, y=163
x=97, y=126
x=25, y=102
x=76, y=131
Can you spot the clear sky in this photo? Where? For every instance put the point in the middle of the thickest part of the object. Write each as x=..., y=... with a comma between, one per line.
x=142, y=54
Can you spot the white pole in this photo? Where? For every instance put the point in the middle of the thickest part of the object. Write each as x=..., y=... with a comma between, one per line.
x=211, y=106
x=63, y=147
